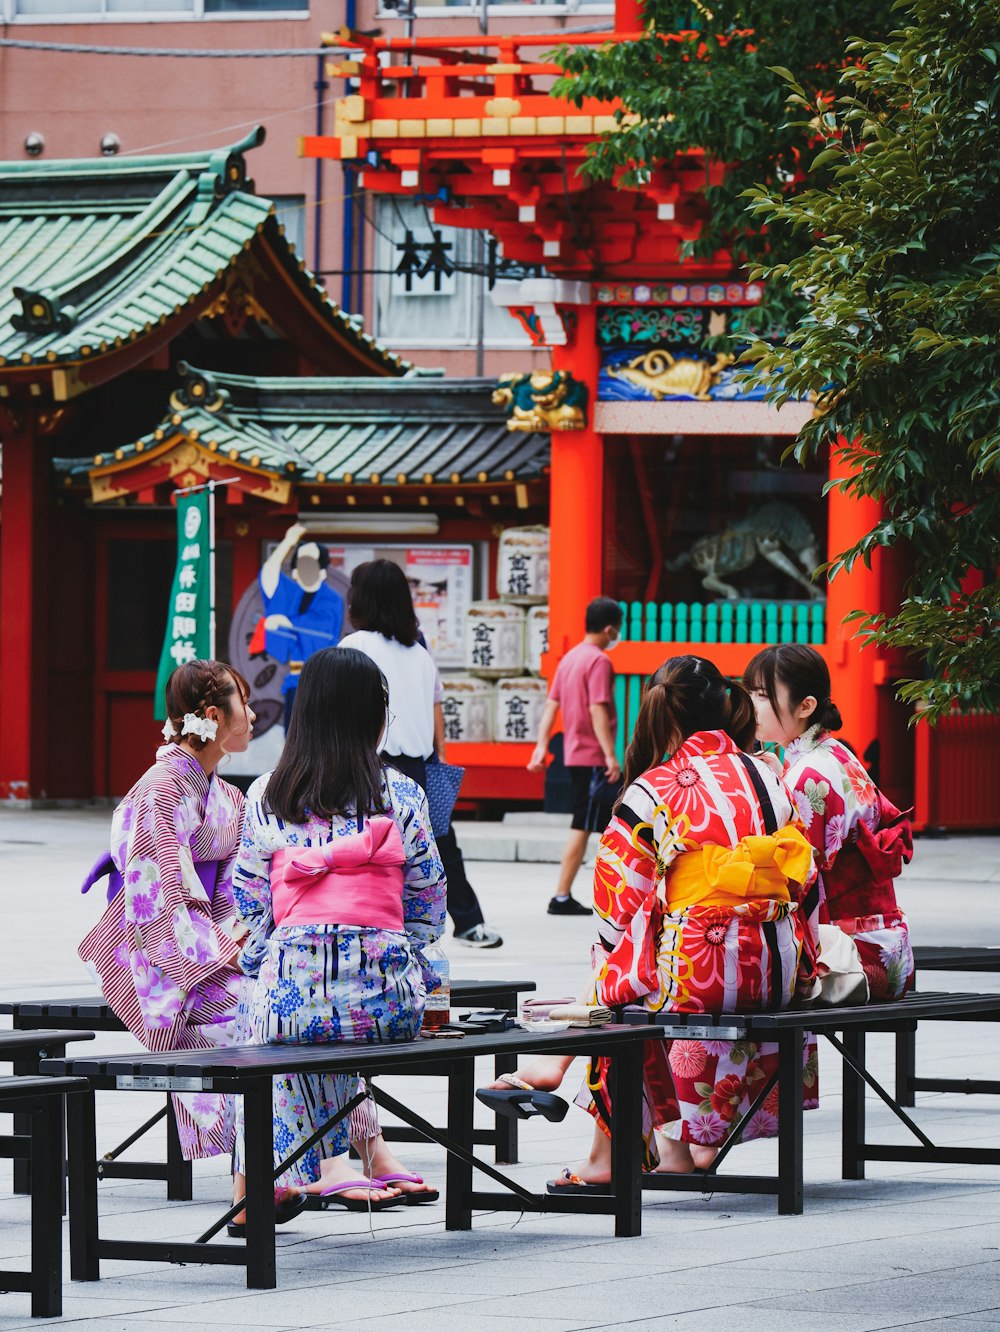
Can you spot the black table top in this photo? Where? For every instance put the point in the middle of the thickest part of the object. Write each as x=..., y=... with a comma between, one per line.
x=93, y=1007
x=916, y=1005
x=15, y=1043
x=236, y=1062
x=944, y=957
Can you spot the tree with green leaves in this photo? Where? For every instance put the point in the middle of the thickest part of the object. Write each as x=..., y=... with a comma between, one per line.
x=900, y=340
x=701, y=78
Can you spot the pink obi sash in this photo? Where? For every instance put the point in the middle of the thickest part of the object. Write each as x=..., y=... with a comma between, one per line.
x=354, y=880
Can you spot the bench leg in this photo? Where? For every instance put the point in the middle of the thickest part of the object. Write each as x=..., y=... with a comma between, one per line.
x=790, y=1122
x=625, y=1087
x=22, y=1125
x=458, y=1173
x=179, y=1185
x=84, y=1264
x=853, y=1131
x=259, y=1130
x=906, y=1065
x=505, y=1152
x=46, y=1208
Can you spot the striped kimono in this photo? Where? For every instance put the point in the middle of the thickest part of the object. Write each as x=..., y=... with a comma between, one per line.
x=165, y=951
x=698, y=911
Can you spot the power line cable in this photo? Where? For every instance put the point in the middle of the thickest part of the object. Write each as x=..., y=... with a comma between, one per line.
x=246, y=53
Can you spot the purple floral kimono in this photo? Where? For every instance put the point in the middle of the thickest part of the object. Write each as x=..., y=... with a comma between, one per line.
x=165, y=950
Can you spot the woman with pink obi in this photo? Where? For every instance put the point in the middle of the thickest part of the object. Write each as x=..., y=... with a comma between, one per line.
x=339, y=884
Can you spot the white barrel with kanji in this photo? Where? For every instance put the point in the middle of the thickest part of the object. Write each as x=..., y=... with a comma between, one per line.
x=468, y=705
x=494, y=639
x=523, y=565
x=519, y=708
x=536, y=642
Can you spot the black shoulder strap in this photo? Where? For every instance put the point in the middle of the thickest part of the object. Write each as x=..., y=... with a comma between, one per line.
x=766, y=806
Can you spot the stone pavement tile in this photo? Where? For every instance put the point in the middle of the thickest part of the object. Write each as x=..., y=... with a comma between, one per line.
x=968, y=1290
x=986, y=1320
x=747, y=1318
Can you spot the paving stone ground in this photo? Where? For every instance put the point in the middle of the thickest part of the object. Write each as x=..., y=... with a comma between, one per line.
x=910, y=1247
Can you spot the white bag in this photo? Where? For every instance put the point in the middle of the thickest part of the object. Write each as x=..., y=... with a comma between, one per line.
x=842, y=982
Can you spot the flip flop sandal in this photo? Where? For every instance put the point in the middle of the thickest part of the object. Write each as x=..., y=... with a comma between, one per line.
x=287, y=1205
x=574, y=1184
x=331, y=1197
x=412, y=1199
x=522, y=1101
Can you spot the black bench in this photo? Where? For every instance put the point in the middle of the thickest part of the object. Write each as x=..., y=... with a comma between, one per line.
x=249, y=1071
x=41, y=1102
x=788, y=1029
x=941, y=958
x=91, y=1013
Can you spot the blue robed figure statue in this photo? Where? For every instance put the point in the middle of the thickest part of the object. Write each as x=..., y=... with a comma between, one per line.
x=302, y=612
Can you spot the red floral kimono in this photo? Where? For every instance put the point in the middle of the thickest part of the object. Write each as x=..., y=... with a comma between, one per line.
x=698, y=911
x=861, y=842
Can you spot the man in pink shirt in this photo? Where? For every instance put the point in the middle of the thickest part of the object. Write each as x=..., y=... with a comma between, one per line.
x=583, y=686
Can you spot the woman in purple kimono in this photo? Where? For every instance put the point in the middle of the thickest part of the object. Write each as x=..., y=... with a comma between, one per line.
x=166, y=949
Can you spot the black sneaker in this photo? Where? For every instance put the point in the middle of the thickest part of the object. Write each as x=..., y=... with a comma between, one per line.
x=567, y=906
x=479, y=937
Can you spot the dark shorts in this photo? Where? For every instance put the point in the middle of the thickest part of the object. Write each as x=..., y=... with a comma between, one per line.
x=593, y=798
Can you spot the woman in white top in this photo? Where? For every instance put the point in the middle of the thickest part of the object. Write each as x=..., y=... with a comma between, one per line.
x=380, y=608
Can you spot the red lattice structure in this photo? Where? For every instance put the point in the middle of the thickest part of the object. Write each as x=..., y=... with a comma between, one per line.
x=470, y=125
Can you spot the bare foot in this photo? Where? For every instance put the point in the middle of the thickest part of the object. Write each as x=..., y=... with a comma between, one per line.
x=239, y=1193
x=339, y=1169
x=703, y=1156
x=587, y=1172
x=378, y=1160
x=542, y=1074
x=675, y=1156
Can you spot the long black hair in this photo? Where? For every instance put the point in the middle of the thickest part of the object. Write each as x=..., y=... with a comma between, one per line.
x=330, y=763
x=686, y=694
x=804, y=674
x=379, y=600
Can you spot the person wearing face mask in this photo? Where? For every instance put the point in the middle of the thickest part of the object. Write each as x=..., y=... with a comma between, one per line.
x=861, y=839
x=583, y=687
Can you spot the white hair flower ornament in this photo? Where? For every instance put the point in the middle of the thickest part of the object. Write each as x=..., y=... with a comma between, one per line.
x=203, y=727
x=169, y=730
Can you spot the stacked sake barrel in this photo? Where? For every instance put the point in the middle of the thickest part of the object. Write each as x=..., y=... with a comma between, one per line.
x=505, y=639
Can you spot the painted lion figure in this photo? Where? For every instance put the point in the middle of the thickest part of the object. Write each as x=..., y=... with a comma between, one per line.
x=543, y=400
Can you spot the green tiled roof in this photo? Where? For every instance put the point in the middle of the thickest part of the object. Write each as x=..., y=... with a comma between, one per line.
x=95, y=253
x=418, y=429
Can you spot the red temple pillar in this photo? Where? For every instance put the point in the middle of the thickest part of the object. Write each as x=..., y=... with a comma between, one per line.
x=576, y=506
x=853, y=670
x=23, y=648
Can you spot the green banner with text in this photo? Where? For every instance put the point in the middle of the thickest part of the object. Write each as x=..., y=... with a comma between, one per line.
x=189, y=615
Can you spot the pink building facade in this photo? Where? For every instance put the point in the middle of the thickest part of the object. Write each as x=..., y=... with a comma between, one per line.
x=68, y=104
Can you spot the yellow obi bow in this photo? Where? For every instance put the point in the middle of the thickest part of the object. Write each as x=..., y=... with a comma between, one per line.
x=757, y=867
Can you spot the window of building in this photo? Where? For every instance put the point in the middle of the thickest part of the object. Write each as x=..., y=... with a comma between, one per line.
x=431, y=279
x=290, y=210
x=498, y=8
x=68, y=10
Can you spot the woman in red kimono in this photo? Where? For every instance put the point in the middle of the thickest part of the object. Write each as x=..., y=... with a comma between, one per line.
x=861, y=840
x=696, y=889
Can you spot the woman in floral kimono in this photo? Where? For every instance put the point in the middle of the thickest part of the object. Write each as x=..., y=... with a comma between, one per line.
x=166, y=949
x=861, y=839
x=339, y=884
x=696, y=889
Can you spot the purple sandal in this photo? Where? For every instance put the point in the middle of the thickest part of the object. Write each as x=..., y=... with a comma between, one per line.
x=331, y=1197
x=414, y=1199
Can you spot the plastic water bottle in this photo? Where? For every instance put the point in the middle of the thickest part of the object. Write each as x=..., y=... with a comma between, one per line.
x=437, y=1008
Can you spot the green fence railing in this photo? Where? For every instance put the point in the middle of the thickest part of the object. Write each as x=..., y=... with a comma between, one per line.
x=669, y=622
